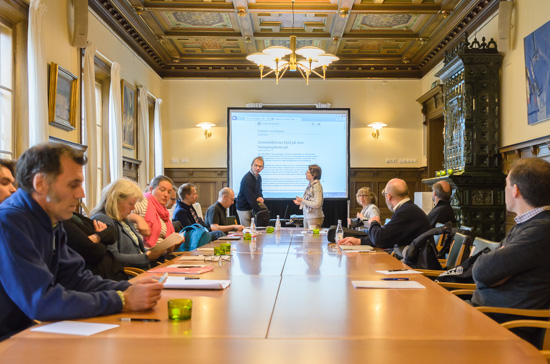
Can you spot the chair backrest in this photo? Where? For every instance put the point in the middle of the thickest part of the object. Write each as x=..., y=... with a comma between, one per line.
x=439, y=239
x=479, y=244
x=456, y=253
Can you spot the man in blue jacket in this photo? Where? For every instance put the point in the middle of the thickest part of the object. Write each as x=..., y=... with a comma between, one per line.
x=407, y=223
x=40, y=277
x=250, y=192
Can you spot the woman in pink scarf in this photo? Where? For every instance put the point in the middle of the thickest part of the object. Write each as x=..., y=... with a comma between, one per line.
x=153, y=209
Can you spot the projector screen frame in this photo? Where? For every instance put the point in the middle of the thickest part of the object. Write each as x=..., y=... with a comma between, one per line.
x=291, y=109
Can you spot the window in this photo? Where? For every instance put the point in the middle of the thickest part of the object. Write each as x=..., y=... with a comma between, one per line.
x=99, y=137
x=6, y=93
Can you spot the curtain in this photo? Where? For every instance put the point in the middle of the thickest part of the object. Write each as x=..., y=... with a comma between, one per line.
x=143, y=147
x=90, y=127
x=115, y=124
x=159, y=165
x=37, y=75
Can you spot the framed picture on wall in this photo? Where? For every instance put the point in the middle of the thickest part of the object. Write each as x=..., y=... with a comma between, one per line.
x=537, y=63
x=129, y=115
x=63, y=97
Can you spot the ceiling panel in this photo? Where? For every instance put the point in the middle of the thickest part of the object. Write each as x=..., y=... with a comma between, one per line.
x=372, y=38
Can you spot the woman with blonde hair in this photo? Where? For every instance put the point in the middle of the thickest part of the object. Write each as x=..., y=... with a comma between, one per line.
x=117, y=203
x=367, y=199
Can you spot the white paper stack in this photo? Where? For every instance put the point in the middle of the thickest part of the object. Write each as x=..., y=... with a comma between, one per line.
x=183, y=283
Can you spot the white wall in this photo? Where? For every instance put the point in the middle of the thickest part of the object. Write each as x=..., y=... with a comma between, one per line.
x=189, y=102
x=59, y=50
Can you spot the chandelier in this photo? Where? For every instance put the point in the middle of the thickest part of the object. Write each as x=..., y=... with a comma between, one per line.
x=274, y=58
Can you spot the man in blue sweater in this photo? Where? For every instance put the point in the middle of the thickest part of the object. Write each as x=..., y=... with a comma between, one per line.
x=250, y=192
x=517, y=274
x=40, y=277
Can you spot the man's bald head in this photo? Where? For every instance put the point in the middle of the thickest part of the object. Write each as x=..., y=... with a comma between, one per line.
x=442, y=191
x=397, y=188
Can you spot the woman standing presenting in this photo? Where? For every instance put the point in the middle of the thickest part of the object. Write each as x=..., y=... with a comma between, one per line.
x=312, y=202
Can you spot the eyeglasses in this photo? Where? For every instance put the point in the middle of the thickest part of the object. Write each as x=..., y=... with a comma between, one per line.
x=384, y=194
x=361, y=195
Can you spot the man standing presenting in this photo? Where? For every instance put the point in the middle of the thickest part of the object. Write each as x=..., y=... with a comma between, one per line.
x=442, y=212
x=215, y=215
x=40, y=278
x=250, y=193
x=7, y=170
x=407, y=223
x=517, y=275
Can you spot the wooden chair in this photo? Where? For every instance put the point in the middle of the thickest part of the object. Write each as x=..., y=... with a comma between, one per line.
x=440, y=239
x=459, y=245
x=527, y=313
x=479, y=244
x=133, y=271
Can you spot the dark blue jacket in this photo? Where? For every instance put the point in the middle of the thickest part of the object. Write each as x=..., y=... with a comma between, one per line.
x=40, y=276
x=182, y=213
x=406, y=224
x=250, y=190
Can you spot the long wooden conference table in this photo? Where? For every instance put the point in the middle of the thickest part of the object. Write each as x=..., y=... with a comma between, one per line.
x=291, y=300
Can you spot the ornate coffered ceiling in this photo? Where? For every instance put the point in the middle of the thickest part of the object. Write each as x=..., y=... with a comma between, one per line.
x=372, y=38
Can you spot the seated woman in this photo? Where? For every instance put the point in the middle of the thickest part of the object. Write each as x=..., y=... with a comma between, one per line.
x=153, y=210
x=117, y=202
x=90, y=239
x=312, y=202
x=367, y=200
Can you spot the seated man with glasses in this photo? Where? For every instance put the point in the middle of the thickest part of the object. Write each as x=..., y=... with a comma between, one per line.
x=216, y=214
x=407, y=222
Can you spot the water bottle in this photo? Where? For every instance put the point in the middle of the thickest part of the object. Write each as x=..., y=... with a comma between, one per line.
x=278, y=224
x=339, y=231
x=252, y=226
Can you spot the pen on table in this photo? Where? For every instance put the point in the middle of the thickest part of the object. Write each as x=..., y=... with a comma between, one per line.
x=397, y=270
x=189, y=266
x=129, y=319
x=394, y=279
x=163, y=278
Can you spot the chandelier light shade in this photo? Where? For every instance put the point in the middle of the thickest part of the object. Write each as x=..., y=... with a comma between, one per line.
x=274, y=58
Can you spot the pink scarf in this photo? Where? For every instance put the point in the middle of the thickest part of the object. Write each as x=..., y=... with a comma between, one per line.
x=156, y=212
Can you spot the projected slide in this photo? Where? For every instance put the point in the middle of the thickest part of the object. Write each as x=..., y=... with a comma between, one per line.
x=289, y=141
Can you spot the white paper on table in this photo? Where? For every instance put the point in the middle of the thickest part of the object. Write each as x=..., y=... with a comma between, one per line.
x=356, y=248
x=191, y=257
x=183, y=283
x=206, y=250
x=387, y=284
x=406, y=271
x=169, y=242
x=74, y=328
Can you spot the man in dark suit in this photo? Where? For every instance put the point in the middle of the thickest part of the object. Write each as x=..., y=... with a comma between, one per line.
x=442, y=212
x=407, y=222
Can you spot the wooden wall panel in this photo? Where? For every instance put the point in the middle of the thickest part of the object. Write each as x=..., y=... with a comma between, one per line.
x=376, y=179
x=209, y=182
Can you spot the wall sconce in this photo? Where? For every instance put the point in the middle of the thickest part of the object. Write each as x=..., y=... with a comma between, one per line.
x=206, y=127
x=376, y=126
